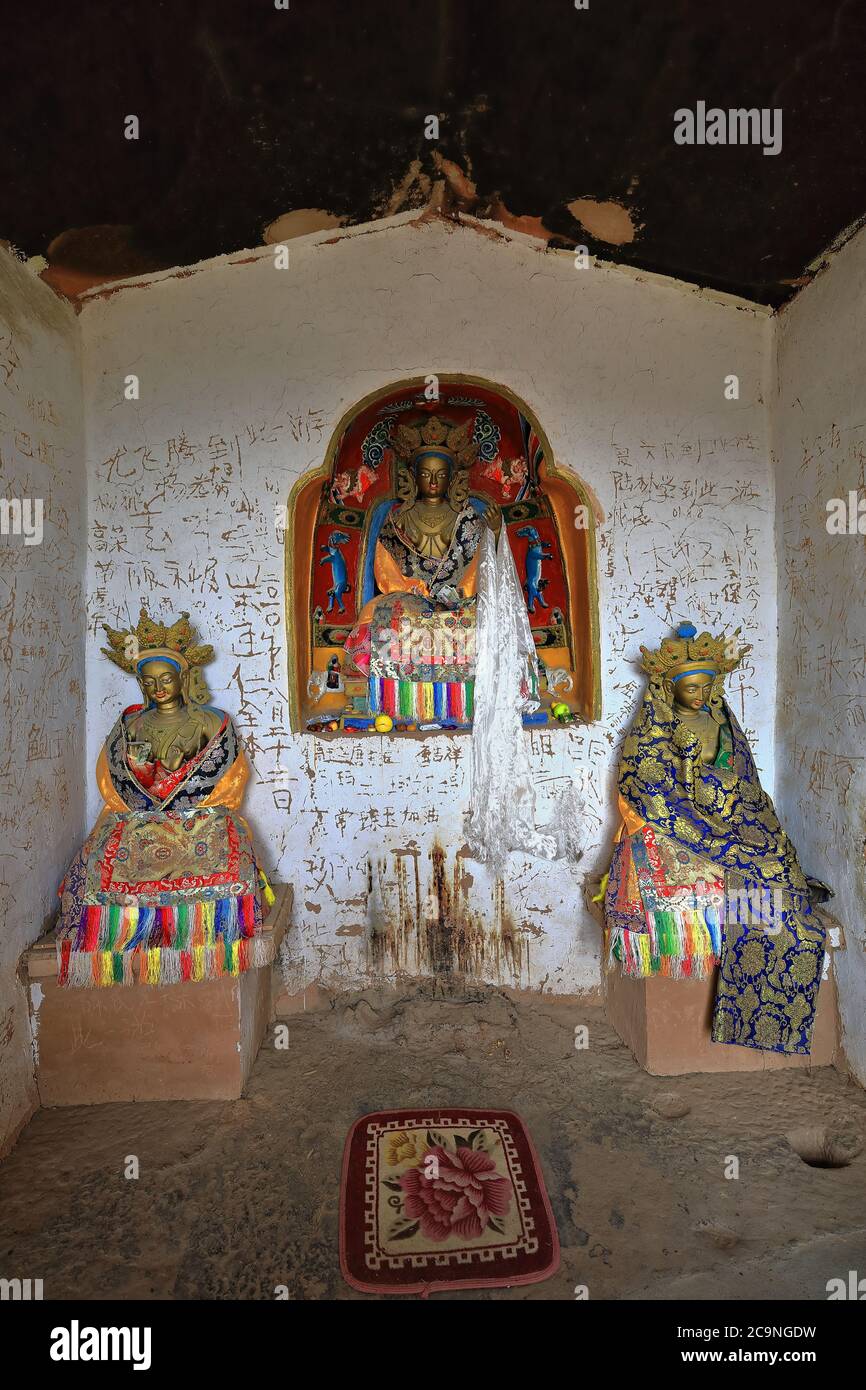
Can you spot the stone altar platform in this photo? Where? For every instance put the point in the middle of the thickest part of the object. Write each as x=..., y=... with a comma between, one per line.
x=666, y=1025
x=149, y=1042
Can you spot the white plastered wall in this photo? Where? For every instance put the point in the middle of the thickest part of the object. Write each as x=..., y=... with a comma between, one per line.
x=819, y=444
x=42, y=755
x=245, y=370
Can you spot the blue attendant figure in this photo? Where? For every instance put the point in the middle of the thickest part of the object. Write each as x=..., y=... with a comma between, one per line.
x=339, y=576
x=536, y=554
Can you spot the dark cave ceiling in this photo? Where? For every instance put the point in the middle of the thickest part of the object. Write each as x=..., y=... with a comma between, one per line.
x=553, y=120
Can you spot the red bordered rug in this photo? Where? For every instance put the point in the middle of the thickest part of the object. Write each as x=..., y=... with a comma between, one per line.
x=443, y=1199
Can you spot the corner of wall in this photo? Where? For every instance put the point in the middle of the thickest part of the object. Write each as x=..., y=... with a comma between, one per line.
x=43, y=622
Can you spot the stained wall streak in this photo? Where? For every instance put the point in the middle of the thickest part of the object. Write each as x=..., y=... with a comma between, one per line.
x=820, y=448
x=434, y=929
x=42, y=731
x=245, y=371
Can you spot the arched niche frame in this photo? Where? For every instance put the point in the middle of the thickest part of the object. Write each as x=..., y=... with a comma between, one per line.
x=335, y=510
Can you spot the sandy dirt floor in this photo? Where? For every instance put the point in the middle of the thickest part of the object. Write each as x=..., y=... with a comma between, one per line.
x=234, y=1199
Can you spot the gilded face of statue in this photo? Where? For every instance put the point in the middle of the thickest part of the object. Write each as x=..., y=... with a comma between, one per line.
x=432, y=475
x=693, y=691
x=161, y=683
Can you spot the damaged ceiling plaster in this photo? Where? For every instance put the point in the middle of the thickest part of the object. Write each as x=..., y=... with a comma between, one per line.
x=257, y=126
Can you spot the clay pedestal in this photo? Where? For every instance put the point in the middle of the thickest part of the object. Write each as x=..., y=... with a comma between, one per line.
x=161, y=1042
x=666, y=1024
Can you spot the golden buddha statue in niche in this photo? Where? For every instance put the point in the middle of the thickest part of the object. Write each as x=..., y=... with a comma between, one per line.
x=429, y=522
x=428, y=543
x=425, y=562
x=429, y=518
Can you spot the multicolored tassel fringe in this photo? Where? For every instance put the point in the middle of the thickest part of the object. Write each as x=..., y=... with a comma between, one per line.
x=186, y=941
x=422, y=701
x=679, y=942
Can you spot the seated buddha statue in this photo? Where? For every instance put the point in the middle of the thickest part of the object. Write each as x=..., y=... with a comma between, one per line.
x=168, y=875
x=702, y=872
x=414, y=639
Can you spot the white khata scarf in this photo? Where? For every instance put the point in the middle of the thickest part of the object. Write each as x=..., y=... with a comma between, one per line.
x=501, y=817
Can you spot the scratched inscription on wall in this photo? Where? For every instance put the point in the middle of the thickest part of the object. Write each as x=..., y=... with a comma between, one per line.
x=41, y=603
x=41, y=646
x=823, y=655
x=690, y=537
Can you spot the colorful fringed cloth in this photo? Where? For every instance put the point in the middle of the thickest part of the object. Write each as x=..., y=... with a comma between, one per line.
x=422, y=700
x=177, y=893
x=682, y=944
x=656, y=926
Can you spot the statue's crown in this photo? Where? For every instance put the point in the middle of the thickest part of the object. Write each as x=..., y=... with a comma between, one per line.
x=444, y=436
x=690, y=650
x=177, y=641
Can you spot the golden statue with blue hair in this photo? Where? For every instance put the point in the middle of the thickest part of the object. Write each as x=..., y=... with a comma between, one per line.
x=702, y=872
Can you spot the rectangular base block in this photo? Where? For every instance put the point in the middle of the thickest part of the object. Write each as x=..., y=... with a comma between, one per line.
x=666, y=1025
x=149, y=1042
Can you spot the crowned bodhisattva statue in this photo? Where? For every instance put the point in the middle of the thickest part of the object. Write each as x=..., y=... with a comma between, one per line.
x=168, y=876
x=702, y=872
x=415, y=639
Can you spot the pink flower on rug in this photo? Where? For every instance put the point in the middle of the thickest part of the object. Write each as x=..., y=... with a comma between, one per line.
x=459, y=1201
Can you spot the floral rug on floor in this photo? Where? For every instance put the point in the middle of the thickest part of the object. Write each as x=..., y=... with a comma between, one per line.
x=443, y=1199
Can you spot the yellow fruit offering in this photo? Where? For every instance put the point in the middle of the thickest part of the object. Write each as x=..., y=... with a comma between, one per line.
x=384, y=723
x=560, y=710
